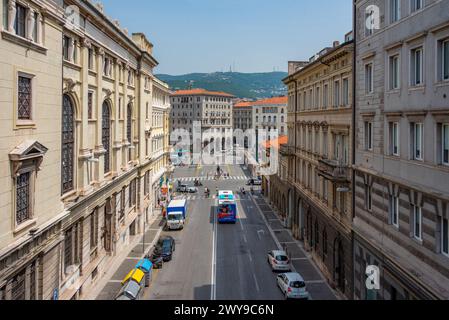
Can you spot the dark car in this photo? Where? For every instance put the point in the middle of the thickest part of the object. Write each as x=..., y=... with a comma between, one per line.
x=157, y=261
x=164, y=248
x=254, y=182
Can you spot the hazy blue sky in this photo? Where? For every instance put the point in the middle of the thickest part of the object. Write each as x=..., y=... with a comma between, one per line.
x=211, y=35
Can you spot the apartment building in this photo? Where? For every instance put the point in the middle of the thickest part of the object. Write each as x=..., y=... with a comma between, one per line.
x=76, y=172
x=270, y=114
x=212, y=109
x=401, y=217
x=318, y=201
x=243, y=115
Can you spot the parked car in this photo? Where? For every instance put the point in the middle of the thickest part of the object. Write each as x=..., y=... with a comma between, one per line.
x=254, y=182
x=157, y=262
x=279, y=261
x=165, y=248
x=292, y=286
x=184, y=188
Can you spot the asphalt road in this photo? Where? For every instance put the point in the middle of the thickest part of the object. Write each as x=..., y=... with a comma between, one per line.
x=214, y=261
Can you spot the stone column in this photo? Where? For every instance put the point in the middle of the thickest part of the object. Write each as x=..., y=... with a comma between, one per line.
x=84, y=153
x=40, y=21
x=12, y=9
x=71, y=49
x=99, y=149
x=30, y=22
x=125, y=142
x=117, y=143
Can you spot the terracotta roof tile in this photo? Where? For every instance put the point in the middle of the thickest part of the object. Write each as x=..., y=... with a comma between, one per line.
x=275, y=100
x=197, y=92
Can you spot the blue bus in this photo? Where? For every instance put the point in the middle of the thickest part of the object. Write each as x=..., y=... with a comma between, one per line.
x=227, y=207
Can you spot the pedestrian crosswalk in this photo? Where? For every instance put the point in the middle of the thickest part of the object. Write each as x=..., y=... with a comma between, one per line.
x=212, y=197
x=210, y=178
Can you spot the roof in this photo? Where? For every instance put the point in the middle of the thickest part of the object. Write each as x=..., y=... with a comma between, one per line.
x=201, y=92
x=293, y=276
x=244, y=104
x=177, y=203
x=276, y=143
x=271, y=101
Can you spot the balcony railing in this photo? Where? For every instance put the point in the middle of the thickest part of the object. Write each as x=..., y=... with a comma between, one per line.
x=333, y=170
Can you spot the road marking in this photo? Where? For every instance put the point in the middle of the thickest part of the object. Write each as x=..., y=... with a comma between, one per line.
x=257, y=283
x=250, y=257
x=260, y=232
x=244, y=239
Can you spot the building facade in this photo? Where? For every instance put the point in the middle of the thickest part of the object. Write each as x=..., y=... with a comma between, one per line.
x=81, y=189
x=318, y=204
x=270, y=114
x=401, y=164
x=212, y=109
x=243, y=116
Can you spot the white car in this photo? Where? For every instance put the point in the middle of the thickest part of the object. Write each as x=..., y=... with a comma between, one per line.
x=292, y=286
x=278, y=260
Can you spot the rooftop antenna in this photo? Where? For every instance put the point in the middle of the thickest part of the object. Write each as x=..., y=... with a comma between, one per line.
x=190, y=84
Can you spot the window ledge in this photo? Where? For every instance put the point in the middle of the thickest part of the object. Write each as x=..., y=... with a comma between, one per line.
x=413, y=88
x=23, y=42
x=441, y=83
x=24, y=124
x=25, y=225
x=72, y=65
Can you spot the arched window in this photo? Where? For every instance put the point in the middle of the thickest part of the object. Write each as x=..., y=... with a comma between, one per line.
x=129, y=121
x=106, y=136
x=68, y=141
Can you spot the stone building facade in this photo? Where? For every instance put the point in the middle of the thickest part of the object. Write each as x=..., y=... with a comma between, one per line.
x=243, y=115
x=319, y=158
x=402, y=149
x=212, y=109
x=81, y=158
x=270, y=114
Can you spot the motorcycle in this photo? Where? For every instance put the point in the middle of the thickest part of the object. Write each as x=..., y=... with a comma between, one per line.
x=198, y=183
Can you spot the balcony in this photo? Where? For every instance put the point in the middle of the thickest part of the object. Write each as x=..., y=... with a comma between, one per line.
x=333, y=170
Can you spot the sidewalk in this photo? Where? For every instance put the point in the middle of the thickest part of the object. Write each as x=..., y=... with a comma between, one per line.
x=302, y=262
x=110, y=284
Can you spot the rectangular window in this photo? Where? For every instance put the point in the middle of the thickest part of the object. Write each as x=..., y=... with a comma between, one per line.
x=325, y=144
x=93, y=230
x=23, y=207
x=394, y=211
x=345, y=92
x=394, y=72
x=24, y=99
x=417, y=225
x=394, y=11
x=90, y=105
x=369, y=136
x=445, y=59
x=65, y=47
x=445, y=144
x=416, y=5
x=337, y=94
x=5, y=16
x=416, y=64
x=369, y=78
x=20, y=23
x=317, y=98
x=368, y=198
x=394, y=138
x=91, y=59
x=445, y=236
x=325, y=96
x=418, y=135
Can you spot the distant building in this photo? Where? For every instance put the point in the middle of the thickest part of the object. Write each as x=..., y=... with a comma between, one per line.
x=212, y=109
x=243, y=115
x=270, y=114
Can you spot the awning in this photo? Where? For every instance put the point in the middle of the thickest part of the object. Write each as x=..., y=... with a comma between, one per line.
x=145, y=265
x=136, y=275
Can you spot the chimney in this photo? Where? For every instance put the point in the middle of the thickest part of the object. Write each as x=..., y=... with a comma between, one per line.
x=336, y=44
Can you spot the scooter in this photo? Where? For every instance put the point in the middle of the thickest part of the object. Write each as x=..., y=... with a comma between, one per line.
x=198, y=183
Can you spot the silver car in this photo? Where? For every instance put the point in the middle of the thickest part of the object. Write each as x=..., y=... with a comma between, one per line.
x=278, y=260
x=292, y=286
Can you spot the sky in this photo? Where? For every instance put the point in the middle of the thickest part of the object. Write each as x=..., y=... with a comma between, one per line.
x=247, y=35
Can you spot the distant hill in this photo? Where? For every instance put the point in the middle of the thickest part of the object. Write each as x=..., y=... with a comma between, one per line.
x=242, y=85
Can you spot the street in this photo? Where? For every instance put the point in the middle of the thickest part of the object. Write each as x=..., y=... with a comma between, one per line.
x=222, y=262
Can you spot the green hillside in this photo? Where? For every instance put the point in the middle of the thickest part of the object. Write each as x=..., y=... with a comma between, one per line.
x=242, y=85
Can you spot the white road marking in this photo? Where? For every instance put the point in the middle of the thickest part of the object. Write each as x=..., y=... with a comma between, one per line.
x=244, y=239
x=257, y=283
x=250, y=257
